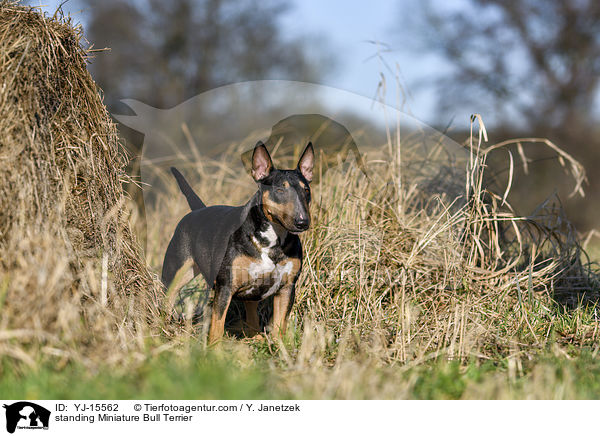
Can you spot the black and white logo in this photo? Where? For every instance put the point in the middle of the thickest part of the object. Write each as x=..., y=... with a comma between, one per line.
x=26, y=415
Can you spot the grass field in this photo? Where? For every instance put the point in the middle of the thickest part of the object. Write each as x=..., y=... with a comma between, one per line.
x=425, y=326
x=215, y=375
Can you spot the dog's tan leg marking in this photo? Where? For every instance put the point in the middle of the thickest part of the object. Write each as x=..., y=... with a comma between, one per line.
x=281, y=304
x=252, y=316
x=283, y=300
x=217, y=322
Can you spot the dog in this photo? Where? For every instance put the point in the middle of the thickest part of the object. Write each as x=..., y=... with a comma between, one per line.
x=248, y=252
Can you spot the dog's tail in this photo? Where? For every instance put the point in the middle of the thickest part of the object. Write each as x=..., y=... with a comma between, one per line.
x=191, y=197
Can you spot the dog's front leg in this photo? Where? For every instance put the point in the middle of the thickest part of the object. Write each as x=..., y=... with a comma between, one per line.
x=282, y=306
x=221, y=302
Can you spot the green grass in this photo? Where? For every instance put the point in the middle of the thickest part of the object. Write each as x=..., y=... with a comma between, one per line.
x=198, y=375
x=211, y=374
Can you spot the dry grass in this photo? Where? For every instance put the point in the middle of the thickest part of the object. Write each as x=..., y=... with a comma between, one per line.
x=73, y=280
x=394, y=279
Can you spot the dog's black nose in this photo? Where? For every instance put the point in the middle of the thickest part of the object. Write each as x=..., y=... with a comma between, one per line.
x=301, y=223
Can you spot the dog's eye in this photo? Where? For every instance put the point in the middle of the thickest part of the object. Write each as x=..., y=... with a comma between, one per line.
x=279, y=190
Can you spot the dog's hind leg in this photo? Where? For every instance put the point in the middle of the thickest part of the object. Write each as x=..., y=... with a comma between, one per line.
x=176, y=256
x=176, y=272
x=175, y=300
x=220, y=305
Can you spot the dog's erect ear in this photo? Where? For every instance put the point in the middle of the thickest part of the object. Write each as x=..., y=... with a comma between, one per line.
x=262, y=165
x=307, y=162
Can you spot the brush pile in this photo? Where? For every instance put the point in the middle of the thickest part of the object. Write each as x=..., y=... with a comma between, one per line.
x=70, y=269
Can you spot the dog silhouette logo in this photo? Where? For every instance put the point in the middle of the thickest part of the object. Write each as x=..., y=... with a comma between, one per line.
x=26, y=415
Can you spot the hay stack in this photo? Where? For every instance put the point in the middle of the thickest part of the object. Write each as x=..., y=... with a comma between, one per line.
x=72, y=278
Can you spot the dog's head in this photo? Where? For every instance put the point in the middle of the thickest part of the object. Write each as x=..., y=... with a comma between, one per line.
x=285, y=194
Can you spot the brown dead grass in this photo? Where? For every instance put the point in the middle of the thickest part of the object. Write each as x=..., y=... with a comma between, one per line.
x=73, y=278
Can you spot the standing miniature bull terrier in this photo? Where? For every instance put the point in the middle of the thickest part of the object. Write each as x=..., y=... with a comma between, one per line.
x=248, y=252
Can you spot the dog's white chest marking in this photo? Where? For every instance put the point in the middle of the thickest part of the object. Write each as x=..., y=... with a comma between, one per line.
x=267, y=272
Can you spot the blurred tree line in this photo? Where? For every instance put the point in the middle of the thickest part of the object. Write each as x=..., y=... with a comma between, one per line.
x=164, y=52
x=534, y=67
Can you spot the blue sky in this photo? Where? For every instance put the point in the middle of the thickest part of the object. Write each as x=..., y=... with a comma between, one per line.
x=356, y=31
x=350, y=29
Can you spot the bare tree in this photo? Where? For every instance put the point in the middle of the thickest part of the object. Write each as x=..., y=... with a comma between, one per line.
x=165, y=52
x=537, y=59
x=532, y=67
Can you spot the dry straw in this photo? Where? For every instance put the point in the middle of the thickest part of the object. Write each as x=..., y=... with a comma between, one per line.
x=72, y=278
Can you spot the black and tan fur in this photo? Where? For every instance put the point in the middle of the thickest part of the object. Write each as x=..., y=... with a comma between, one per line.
x=248, y=252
